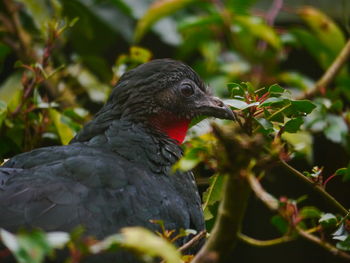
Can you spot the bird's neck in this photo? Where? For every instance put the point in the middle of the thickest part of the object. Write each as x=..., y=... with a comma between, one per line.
x=173, y=126
x=138, y=143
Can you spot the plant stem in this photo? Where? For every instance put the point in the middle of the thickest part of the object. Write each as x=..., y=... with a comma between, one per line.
x=270, y=201
x=193, y=241
x=329, y=198
x=24, y=50
x=230, y=216
x=265, y=243
x=322, y=243
x=303, y=233
x=331, y=72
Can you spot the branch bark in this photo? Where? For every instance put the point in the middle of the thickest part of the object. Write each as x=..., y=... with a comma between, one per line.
x=303, y=233
x=193, y=241
x=238, y=152
x=232, y=208
x=329, y=198
x=329, y=247
x=331, y=72
x=265, y=243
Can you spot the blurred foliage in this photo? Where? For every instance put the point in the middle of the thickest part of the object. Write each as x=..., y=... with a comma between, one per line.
x=60, y=58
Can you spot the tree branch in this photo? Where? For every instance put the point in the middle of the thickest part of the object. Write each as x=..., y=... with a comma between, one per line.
x=265, y=243
x=25, y=51
x=229, y=218
x=331, y=72
x=270, y=201
x=232, y=207
x=329, y=198
x=303, y=233
x=193, y=241
x=314, y=239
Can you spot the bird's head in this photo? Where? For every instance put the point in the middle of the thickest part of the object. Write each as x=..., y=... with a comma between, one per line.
x=166, y=94
x=163, y=94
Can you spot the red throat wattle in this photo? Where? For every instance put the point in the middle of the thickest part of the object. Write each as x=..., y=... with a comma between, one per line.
x=175, y=127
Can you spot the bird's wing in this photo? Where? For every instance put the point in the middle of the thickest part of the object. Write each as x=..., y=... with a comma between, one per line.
x=59, y=188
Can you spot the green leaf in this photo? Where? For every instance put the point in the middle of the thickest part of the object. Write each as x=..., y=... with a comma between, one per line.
x=3, y=112
x=328, y=220
x=265, y=124
x=275, y=101
x=57, y=239
x=275, y=88
x=321, y=54
x=239, y=6
x=98, y=91
x=293, y=125
x=145, y=241
x=341, y=233
x=41, y=12
x=64, y=131
x=258, y=28
x=212, y=194
x=207, y=214
x=28, y=247
x=156, y=11
x=326, y=30
x=141, y=240
x=310, y=212
x=304, y=106
x=189, y=160
x=298, y=80
x=199, y=21
x=4, y=51
x=237, y=104
x=341, y=171
x=235, y=90
x=197, y=120
x=280, y=223
x=247, y=86
x=344, y=172
x=186, y=163
x=10, y=90
x=336, y=129
x=344, y=245
x=302, y=143
x=72, y=22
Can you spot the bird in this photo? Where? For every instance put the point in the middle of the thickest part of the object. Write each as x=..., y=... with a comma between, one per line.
x=117, y=171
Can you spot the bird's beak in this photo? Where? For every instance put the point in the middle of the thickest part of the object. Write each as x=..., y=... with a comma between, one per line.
x=215, y=107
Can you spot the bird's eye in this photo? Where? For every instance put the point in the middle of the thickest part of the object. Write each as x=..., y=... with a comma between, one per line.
x=187, y=90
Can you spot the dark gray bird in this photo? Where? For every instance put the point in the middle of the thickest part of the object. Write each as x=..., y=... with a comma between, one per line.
x=115, y=172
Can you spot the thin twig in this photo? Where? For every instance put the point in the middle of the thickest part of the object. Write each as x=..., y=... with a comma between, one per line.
x=270, y=201
x=273, y=12
x=270, y=18
x=25, y=51
x=28, y=90
x=193, y=241
x=329, y=198
x=331, y=72
x=265, y=243
x=303, y=233
x=335, y=251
